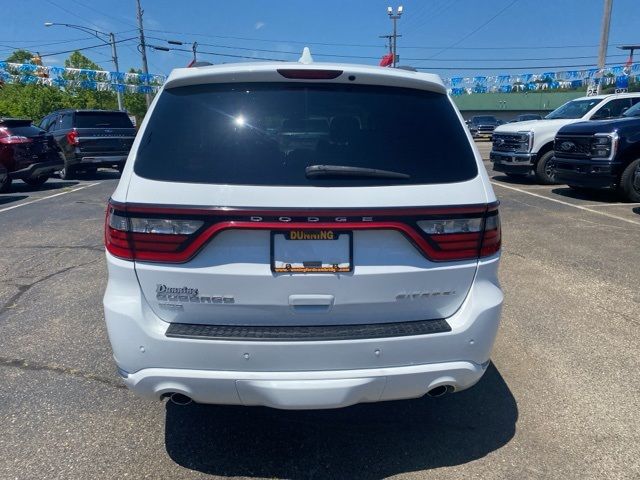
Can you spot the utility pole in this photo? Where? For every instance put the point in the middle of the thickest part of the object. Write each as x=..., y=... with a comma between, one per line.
x=394, y=16
x=604, y=42
x=143, y=50
x=114, y=56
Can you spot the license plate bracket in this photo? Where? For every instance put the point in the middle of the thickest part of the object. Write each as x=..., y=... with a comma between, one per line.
x=311, y=251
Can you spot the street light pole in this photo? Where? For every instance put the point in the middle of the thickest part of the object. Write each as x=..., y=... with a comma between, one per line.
x=395, y=16
x=111, y=42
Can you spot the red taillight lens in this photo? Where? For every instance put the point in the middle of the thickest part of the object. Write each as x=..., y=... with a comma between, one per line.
x=152, y=239
x=492, y=235
x=15, y=139
x=463, y=238
x=72, y=137
x=307, y=74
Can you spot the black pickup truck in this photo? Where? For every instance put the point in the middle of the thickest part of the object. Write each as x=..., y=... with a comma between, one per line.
x=90, y=138
x=600, y=154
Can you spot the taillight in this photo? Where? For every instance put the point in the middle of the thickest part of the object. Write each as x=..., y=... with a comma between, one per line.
x=153, y=239
x=308, y=74
x=463, y=238
x=72, y=137
x=15, y=139
x=492, y=235
x=175, y=235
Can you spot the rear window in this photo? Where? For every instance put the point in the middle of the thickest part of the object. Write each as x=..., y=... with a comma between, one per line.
x=269, y=134
x=103, y=120
x=22, y=129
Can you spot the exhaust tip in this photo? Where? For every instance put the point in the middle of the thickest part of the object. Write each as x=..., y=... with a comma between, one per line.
x=440, y=390
x=180, y=399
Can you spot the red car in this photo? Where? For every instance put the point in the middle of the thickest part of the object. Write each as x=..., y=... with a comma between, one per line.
x=27, y=153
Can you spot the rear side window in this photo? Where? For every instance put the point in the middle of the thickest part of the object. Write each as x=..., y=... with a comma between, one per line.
x=24, y=130
x=269, y=134
x=103, y=120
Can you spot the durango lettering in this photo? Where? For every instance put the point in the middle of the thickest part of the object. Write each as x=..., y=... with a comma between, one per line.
x=320, y=235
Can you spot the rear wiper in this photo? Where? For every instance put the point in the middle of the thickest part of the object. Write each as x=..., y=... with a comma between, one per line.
x=315, y=171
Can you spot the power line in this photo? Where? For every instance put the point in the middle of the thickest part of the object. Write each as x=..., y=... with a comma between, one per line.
x=535, y=67
x=365, y=57
x=51, y=2
x=474, y=31
x=86, y=48
x=93, y=9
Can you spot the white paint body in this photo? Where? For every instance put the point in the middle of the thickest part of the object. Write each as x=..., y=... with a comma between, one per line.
x=544, y=131
x=305, y=374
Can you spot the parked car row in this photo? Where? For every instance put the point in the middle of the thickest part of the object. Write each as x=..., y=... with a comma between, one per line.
x=587, y=143
x=66, y=141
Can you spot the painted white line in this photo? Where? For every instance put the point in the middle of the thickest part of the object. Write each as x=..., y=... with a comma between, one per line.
x=579, y=207
x=50, y=196
x=619, y=204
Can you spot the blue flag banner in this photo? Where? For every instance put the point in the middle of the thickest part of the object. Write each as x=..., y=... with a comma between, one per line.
x=68, y=77
x=565, y=79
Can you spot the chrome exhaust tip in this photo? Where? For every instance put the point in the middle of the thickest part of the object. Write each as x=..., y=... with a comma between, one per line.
x=180, y=399
x=440, y=390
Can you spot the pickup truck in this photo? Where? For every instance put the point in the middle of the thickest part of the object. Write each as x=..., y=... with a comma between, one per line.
x=482, y=125
x=605, y=154
x=90, y=139
x=524, y=147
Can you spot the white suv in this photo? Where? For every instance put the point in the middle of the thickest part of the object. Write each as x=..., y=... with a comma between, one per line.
x=302, y=236
x=523, y=147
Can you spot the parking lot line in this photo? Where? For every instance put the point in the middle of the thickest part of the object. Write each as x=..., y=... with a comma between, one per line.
x=618, y=204
x=622, y=219
x=47, y=197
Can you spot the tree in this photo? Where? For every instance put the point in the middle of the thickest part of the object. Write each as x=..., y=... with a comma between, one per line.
x=83, y=97
x=135, y=103
x=31, y=101
x=20, y=56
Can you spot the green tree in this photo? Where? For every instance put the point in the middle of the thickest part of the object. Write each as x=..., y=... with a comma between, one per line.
x=20, y=56
x=135, y=103
x=82, y=97
x=31, y=101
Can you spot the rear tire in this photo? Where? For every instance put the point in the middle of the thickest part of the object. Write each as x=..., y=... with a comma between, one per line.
x=626, y=187
x=36, y=181
x=67, y=173
x=543, y=171
x=5, y=185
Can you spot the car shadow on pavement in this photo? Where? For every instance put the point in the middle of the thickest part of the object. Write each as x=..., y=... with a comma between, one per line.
x=636, y=210
x=371, y=441
x=595, y=195
x=523, y=180
x=11, y=198
x=100, y=175
x=51, y=184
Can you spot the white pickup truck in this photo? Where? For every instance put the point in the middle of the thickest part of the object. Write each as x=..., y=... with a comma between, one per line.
x=523, y=147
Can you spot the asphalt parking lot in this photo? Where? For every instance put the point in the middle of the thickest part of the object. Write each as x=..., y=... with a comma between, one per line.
x=561, y=399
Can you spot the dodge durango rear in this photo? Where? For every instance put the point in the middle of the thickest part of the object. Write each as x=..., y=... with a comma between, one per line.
x=302, y=236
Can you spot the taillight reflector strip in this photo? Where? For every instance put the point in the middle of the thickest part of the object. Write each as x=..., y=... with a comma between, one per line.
x=166, y=235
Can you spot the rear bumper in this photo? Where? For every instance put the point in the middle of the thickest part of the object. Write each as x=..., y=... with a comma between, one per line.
x=512, y=162
x=298, y=374
x=98, y=160
x=38, y=169
x=305, y=390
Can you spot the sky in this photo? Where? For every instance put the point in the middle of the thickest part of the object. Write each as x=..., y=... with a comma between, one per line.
x=448, y=37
